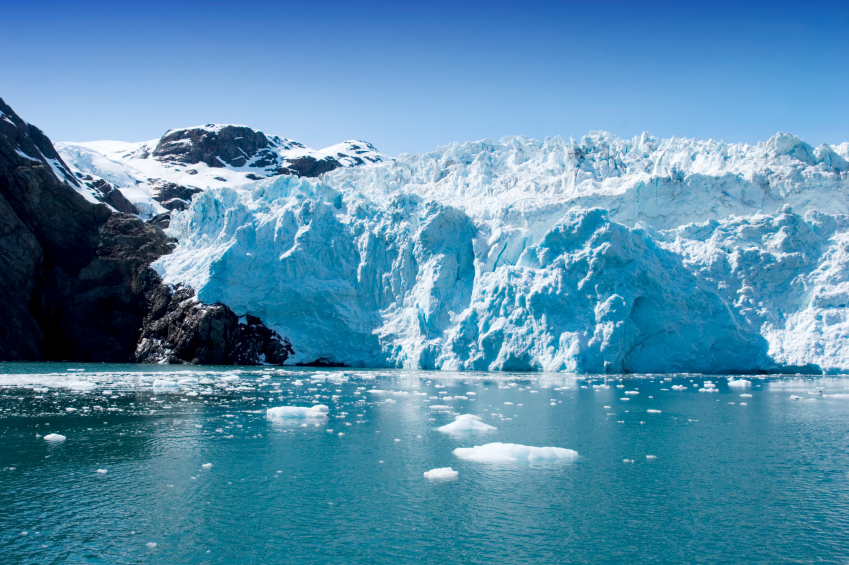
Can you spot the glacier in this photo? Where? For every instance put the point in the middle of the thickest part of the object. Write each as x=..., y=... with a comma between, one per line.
x=601, y=255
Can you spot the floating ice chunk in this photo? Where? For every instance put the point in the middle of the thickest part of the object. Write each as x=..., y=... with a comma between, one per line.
x=678, y=387
x=653, y=411
x=440, y=407
x=739, y=383
x=632, y=392
x=508, y=404
x=207, y=466
x=466, y=423
x=188, y=381
x=293, y=412
x=651, y=457
x=69, y=409
x=81, y=385
x=441, y=474
x=229, y=378
x=55, y=437
x=746, y=395
x=509, y=452
x=163, y=383
x=151, y=544
x=102, y=471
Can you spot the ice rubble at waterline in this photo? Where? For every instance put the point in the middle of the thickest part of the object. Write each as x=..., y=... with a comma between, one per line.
x=605, y=255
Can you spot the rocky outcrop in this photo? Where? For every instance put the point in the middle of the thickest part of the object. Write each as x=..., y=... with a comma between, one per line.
x=179, y=329
x=108, y=194
x=171, y=195
x=76, y=276
x=215, y=145
x=220, y=146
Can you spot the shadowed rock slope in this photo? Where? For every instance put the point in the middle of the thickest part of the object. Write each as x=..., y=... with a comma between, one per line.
x=76, y=277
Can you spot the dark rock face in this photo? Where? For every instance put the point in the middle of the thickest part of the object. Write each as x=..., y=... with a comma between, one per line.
x=108, y=194
x=237, y=146
x=162, y=221
x=172, y=196
x=179, y=329
x=311, y=167
x=216, y=146
x=77, y=279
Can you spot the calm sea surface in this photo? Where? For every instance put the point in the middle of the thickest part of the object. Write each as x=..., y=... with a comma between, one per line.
x=752, y=474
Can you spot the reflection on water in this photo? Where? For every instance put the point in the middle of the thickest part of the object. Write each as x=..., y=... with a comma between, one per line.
x=670, y=469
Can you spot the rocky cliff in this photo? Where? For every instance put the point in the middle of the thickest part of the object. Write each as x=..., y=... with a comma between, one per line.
x=77, y=279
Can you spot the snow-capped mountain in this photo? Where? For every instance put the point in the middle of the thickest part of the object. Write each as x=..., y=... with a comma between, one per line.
x=164, y=174
x=603, y=255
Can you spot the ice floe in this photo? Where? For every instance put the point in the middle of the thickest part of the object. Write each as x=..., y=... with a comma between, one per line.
x=466, y=423
x=509, y=452
x=294, y=412
x=441, y=473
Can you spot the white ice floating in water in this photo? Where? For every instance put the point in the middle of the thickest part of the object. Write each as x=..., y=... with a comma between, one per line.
x=739, y=383
x=296, y=412
x=653, y=411
x=164, y=383
x=207, y=466
x=441, y=474
x=55, y=437
x=102, y=471
x=466, y=423
x=510, y=452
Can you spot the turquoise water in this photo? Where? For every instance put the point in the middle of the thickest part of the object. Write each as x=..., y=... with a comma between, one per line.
x=765, y=481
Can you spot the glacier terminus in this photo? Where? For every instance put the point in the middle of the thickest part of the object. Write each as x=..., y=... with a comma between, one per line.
x=598, y=255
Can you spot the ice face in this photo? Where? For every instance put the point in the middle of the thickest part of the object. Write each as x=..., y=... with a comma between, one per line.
x=492, y=256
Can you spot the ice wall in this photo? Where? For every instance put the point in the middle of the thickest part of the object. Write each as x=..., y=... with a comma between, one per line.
x=603, y=255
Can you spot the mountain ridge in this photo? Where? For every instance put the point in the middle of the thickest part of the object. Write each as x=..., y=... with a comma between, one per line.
x=189, y=160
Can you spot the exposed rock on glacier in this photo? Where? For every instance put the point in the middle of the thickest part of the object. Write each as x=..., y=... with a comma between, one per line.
x=498, y=256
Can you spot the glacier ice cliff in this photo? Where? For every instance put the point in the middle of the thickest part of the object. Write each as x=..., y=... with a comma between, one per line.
x=598, y=255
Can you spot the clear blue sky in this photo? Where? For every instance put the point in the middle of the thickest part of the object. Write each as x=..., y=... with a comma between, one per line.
x=410, y=77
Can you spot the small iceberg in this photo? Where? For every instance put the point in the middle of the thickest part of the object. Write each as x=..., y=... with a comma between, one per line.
x=441, y=474
x=163, y=383
x=295, y=412
x=466, y=423
x=739, y=383
x=510, y=452
x=55, y=437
